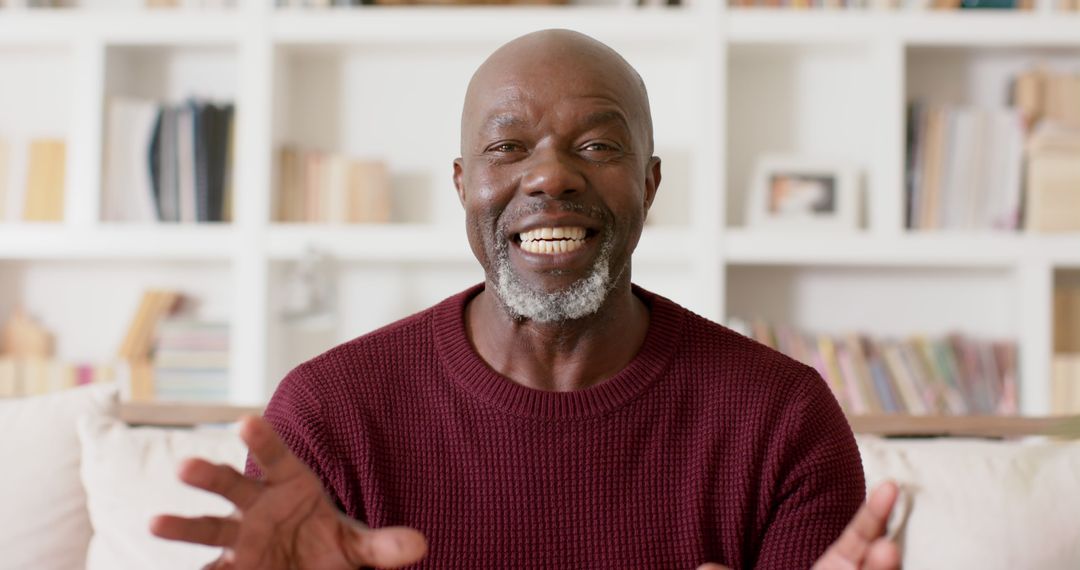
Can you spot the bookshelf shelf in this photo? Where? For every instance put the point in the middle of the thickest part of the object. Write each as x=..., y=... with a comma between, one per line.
x=755, y=26
x=442, y=25
x=1067, y=427
x=386, y=83
x=427, y=243
x=747, y=247
x=51, y=241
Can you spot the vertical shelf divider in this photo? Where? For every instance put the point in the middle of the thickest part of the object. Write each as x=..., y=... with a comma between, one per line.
x=1035, y=276
x=249, y=381
x=886, y=177
x=85, y=142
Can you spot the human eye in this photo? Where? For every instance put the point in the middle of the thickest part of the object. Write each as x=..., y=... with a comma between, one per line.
x=504, y=147
x=601, y=149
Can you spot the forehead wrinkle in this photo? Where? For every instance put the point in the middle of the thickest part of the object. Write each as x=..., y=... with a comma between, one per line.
x=604, y=118
x=504, y=121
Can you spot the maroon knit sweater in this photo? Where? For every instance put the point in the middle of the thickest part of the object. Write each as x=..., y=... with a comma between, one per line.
x=707, y=447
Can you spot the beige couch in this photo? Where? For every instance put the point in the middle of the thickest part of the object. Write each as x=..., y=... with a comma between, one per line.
x=78, y=487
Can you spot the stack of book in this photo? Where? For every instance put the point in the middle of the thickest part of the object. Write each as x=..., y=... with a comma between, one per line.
x=42, y=198
x=919, y=376
x=1051, y=104
x=191, y=361
x=169, y=163
x=323, y=187
x=964, y=167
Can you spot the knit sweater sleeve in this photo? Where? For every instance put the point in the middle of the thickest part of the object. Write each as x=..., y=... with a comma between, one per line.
x=818, y=480
x=297, y=417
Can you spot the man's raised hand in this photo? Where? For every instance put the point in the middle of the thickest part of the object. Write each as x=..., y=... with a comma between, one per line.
x=284, y=521
x=863, y=544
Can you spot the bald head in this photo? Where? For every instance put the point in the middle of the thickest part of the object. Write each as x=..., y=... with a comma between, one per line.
x=555, y=59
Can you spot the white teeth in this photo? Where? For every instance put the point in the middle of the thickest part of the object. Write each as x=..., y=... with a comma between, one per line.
x=554, y=233
x=553, y=239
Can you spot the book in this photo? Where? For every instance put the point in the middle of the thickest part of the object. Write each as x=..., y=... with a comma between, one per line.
x=369, y=192
x=153, y=306
x=169, y=195
x=45, y=181
x=187, y=162
x=128, y=193
x=1065, y=387
x=1067, y=318
x=23, y=337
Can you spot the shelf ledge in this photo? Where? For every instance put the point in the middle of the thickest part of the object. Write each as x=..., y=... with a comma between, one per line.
x=1067, y=427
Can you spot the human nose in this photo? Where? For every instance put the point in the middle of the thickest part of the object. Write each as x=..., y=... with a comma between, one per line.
x=553, y=173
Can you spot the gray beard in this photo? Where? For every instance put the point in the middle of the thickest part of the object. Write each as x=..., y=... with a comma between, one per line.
x=582, y=298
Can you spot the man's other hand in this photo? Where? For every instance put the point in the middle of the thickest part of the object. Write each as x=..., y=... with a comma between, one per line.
x=863, y=544
x=285, y=520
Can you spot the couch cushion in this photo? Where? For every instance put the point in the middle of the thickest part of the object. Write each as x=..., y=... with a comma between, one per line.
x=43, y=520
x=130, y=476
x=983, y=504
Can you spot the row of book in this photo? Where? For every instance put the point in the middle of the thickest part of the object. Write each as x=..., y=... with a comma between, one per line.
x=964, y=167
x=972, y=168
x=41, y=198
x=168, y=163
x=315, y=186
x=920, y=376
x=35, y=376
x=915, y=5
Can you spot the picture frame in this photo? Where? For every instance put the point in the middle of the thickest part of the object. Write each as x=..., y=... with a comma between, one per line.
x=804, y=193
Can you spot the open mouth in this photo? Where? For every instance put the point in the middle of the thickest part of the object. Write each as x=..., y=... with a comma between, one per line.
x=553, y=240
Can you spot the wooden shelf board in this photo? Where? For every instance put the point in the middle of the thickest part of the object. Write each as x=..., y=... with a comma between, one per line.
x=967, y=426
x=178, y=414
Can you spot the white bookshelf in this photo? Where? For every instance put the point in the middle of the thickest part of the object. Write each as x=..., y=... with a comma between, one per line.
x=726, y=85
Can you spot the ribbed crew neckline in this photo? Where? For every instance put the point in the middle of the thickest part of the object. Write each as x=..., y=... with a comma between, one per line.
x=472, y=373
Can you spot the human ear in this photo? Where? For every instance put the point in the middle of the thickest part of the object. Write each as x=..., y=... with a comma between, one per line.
x=652, y=181
x=458, y=169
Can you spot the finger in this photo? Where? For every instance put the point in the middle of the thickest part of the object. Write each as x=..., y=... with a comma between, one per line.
x=389, y=547
x=884, y=555
x=277, y=462
x=222, y=480
x=868, y=524
x=211, y=531
x=712, y=566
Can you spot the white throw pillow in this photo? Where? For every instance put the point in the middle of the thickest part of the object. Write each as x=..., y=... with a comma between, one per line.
x=983, y=504
x=130, y=476
x=43, y=519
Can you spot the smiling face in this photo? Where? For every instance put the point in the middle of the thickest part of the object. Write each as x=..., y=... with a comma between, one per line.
x=556, y=173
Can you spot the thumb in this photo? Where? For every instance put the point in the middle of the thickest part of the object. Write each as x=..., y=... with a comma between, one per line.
x=712, y=566
x=389, y=547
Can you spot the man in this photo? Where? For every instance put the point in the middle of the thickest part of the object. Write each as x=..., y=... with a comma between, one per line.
x=555, y=416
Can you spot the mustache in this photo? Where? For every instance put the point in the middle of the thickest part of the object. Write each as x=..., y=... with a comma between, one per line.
x=596, y=213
